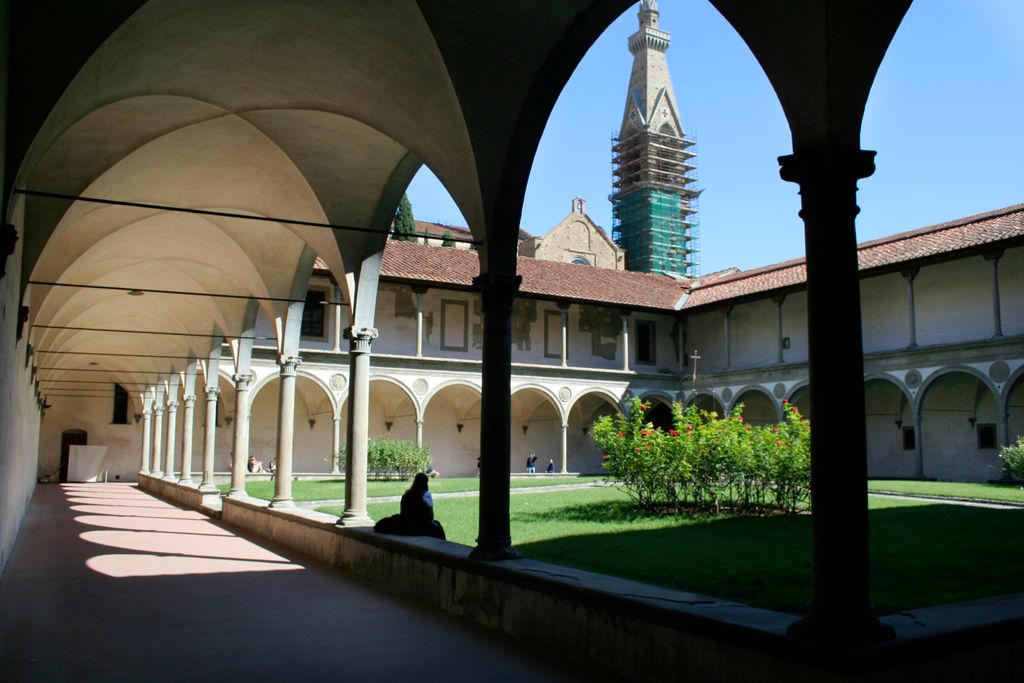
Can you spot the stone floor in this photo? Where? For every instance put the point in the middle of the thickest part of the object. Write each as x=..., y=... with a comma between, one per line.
x=108, y=583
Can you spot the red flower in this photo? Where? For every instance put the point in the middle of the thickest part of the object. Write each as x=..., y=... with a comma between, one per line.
x=747, y=426
x=673, y=432
x=689, y=428
x=741, y=418
x=644, y=432
x=785, y=402
x=604, y=457
x=643, y=407
x=619, y=435
x=778, y=443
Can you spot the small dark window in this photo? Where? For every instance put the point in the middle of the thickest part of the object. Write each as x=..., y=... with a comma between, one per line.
x=644, y=341
x=314, y=313
x=120, y=406
x=908, y=439
x=986, y=435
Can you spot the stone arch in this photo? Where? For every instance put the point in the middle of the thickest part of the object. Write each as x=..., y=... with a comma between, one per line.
x=759, y=405
x=705, y=400
x=537, y=420
x=451, y=427
x=890, y=427
x=660, y=412
x=956, y=413
x=583, y=455
x=1012, y=406
x=394, y=410
x=312, y=421
x=800, y=398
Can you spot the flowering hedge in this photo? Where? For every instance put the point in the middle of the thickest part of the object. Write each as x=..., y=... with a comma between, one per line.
x=706, y=461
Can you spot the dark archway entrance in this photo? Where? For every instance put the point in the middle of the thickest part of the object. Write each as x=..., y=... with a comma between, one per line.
x=69, y=438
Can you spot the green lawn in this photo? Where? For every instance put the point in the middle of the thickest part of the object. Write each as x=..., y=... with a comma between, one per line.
x=1010, y=492
x=921, y=553
x=334, y=489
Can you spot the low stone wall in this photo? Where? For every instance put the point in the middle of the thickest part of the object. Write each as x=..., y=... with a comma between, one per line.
x=188, y=496
x=638, y=631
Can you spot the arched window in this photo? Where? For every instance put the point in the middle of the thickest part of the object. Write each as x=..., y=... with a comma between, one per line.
x=580, y=261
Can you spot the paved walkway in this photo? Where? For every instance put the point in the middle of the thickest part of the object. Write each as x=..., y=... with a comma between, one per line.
x=108, y=583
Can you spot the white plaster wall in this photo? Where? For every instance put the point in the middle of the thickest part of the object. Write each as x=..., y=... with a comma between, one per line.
x=950, y=442
x=885, y=312
x=397, y=334
x=954, y=301
x=705, y=332
x=886, y=456
x=19, y=414
x=454, y=453
x=432, y=333
x=1015, y=424
x=581, y=345
x=312, y=446
x=123, y=442
x=1011, y=291
x=754, y=334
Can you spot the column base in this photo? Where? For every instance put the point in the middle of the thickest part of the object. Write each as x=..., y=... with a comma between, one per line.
x=158, y=474
x=186, y=482
x=146, y=472
x=853, y=632
x=354, y=519
x=335, y=471
x=282, y=503
x=237, y=494
x=170, y=477
x=208, y=487
x=489, y=552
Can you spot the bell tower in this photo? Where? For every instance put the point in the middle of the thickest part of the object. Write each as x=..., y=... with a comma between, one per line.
x=654, y=201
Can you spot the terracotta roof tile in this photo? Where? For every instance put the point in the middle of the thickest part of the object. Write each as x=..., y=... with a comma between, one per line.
x=457, y=267
x=904, y=247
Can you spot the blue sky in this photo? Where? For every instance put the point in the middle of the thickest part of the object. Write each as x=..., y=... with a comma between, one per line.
x=945, y=116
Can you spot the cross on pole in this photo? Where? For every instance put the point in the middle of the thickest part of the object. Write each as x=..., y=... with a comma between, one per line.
x=695, y=358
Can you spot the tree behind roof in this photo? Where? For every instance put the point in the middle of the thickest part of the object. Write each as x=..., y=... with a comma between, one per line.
x=405, y=224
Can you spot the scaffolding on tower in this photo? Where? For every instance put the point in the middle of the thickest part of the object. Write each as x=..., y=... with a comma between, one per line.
x=654, y=202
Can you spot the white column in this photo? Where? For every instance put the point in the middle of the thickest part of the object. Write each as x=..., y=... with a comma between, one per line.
x=419, y=292
x=186, y=440
x=147, y=435
x=285, y=434
x=172, y=429
x=240, y=460
x=210, y=440
x=625, y=341
x=563, y=307
x=419, y=432
x=778, y=315
x=565, y=449
x=158, y=426
x=337, y=319
x=909, y=275
x=358, y=426
x=336, y=449
x=918, y=445
x=727, y=315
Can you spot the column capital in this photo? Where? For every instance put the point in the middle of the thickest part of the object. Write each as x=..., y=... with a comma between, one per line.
x=822, y=165
x=563, y=306
x=289, y=364
x=172, y=406
x=189, y=401
x=158, y=410
x=419, y=289
x=778, y=299
x=993, y=256
x=242, y=381
x=147, y=413
x=212, y=392
x=360, y=338
x=910, y=273
x=497, y=290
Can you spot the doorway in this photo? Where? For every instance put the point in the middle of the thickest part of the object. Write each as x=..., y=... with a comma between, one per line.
x=69, y=438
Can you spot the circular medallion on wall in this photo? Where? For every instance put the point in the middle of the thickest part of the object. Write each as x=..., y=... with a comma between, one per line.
x=564, y=394
x=420, y=386
x=912, y=378
x=999, y=371
x=779, y=390
x=727, y=394
x=337, y=381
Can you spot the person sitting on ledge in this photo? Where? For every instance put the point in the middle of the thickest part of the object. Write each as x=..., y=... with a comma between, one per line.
x=417, y=513
x=255, y=466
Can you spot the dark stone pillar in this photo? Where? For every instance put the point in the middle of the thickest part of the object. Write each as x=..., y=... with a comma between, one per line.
x=840, y=610
x=497, y=290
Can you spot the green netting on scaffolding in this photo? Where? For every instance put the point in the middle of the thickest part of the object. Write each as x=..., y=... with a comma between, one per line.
x=653, y=227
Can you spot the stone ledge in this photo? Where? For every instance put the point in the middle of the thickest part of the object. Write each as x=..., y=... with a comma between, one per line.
x=640, y=631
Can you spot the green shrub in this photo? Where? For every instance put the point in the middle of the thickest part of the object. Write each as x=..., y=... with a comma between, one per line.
x=391, y=459
x=1013, y=456
x=708, y=462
